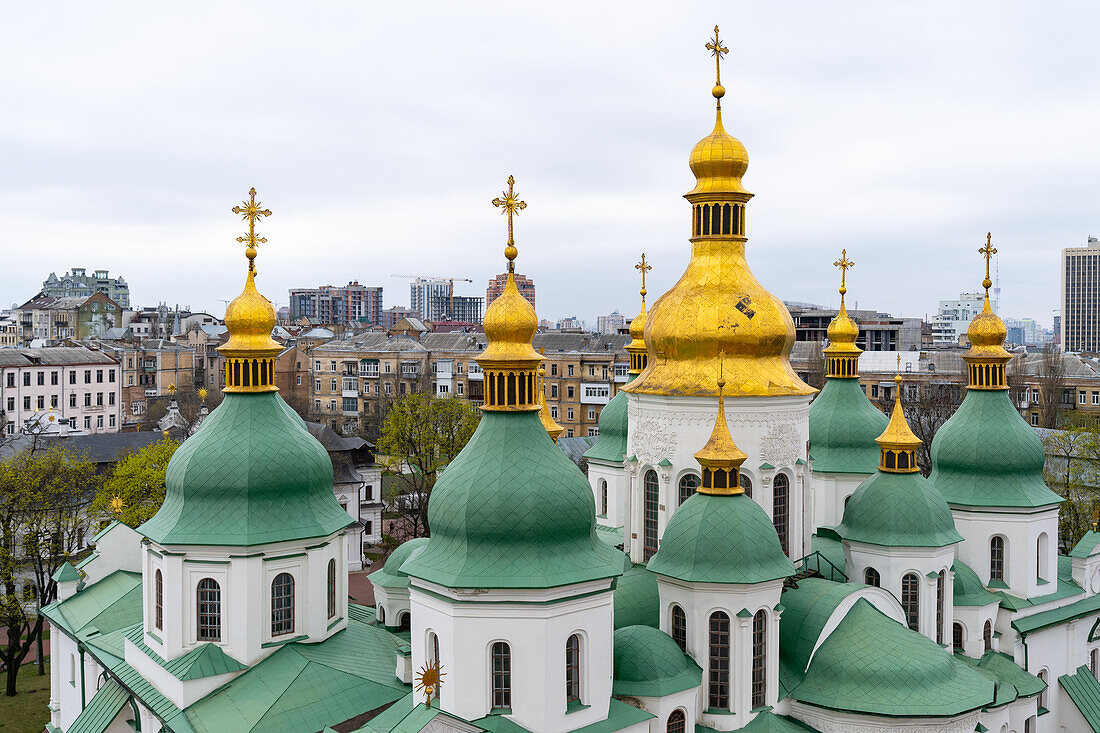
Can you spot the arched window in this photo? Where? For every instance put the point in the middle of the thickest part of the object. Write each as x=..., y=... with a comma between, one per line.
x=997, y=558
x=941, y=582
x=381, y=614
x=1093, y=666
x=910, y=600
x=781, y=509
x=689, y=484
x=677, y=723
x=871, y=577
x=331, y=588
x=158, y=600
x=718, y=688
x=679, y=628
x=433, y=647
x=403, y=622
x=759, y=659
x=957, y=636
x=282, y=604
x=1040, y=555
x=502, y=676
x=603, y=497
x=573, y=668
x=746, y=484
x=1043, y=695
x=987, y=635
x=650, y=502
x=209, y=601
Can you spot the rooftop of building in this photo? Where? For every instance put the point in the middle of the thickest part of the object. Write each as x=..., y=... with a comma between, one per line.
x=52, y=356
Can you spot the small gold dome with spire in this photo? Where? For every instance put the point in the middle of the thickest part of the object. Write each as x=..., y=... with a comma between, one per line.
x=898, y=443
x=720, y=458
x=639, y=355
x=986, y=358
x=719, y=160
x=842, y=354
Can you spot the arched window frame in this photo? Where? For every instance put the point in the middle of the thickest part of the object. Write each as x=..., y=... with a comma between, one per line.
x=744, y=480
x=910, y=600
x=500, y=676
x=651, y=501
x=997, y=558
x=330, y=584
x=718, y=661
x=602, y=485
x=958, y=636
x=1042, y=549
x=686, y=487
x=678, y=626
x=573, y=667
x=158, y=600
x=941, y=600
x=208, y=610
x=677, y=721
x=759, y=659
x=781, y=509
x=987, y=636
x=432, y=646
x=1094, y=662
x=282, y=604
x=1043, y=674
x=872, y=577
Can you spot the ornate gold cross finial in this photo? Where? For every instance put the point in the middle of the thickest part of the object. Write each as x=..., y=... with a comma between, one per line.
x=988, y=250
x=843, y=263
x=643, y=267
x=511, y=206
x=717, y=50
x=251, y=211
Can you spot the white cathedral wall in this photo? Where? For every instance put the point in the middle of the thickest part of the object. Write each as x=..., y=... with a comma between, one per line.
x=1021, y=530
x=973, y=619
x=1056, y=650
x=614, y=476
x=65, y=667
x=662, y=707
x=835, y=721
x=771, y=430
x=535, y=624
x=830, y=490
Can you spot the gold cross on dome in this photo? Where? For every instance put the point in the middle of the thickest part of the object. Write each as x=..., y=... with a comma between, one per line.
x=251, y=211
x=717, y=50
x=643, y=267
x=988, y=250
x=511, y=206
x=843, y=263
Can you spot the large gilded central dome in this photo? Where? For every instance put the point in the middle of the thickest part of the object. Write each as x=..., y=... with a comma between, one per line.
x=718, y=306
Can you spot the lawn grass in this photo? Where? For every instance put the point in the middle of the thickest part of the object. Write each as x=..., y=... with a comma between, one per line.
x=27, y=711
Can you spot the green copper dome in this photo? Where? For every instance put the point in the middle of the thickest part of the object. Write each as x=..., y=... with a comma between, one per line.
x=721, y=539
x=898, y=510
x=968, y=589
x=648, y=663
x=611, y=445
x=637, y=601
x=986, y=455
x=872, y=664
x=511, y=511
x=390, y=575
x=251, y=474
x=843, y=428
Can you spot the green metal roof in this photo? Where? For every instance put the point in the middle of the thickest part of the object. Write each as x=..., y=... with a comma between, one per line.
x=843, y=428
x=898, y=510
x=968, y=589
x=611, y=536
x=611, y=444
x=205, y=660
x=403, y=716
x=768, y=722
x=986, y=455
x=390, y=575
x=112, y=603
x=251, y=474
x=1084, y=691
x=512, y=511
x=1086, y=545
x=102, y=709
x=99, y=535
x=637, y=602
x=721, y=539
x=648, y=663
x=1063, y=588
x=66, y=574
x=1056, y=616
x=872, y=664
x=807, y=609
x=619, y=716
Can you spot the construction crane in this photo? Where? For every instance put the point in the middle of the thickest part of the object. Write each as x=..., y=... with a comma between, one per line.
x=450, y=289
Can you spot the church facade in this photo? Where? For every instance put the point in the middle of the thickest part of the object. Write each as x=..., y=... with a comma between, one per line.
x=744, y=555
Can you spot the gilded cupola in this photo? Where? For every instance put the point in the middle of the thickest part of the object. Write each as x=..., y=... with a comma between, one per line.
x=898, y=445
x=510, y=362
x=250, y=351
x=639, y=355
x=842, y=354
x=987, y=358
x=720, y=458
x=718, y=305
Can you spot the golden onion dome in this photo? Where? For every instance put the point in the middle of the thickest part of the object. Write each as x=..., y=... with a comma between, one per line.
x=548, y=422
x=987, y=333
x=250, y=317
x=510, y=323
x=719, y=160
x=637, y=328
x=842, y=329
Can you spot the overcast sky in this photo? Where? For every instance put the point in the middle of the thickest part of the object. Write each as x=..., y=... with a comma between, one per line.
x=378, y=133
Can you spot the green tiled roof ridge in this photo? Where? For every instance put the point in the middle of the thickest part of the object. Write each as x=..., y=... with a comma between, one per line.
x=251, y=474
x=1057, y=616
x=986, y=455
x=636, y=600
x=967, y=588
x=102, y=709
x=66, y=573
x=205, y=660
x=807, y=609
x=898, y=510
x=648, y=663
x=111, y=603
x=1086, y=544
x=768, y=722
x=512, y=511
x=1084, y=691
x=721, y=539
x=843, y=428
x=611, y=444
x=872, y=664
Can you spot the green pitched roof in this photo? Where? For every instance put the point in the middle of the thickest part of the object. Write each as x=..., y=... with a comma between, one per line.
x=968, y=589
x=637, y=602
x=648, y=663
x=768, y=722
x=390, y=575
x=1086, y=544
x=611, y=444
x=110, y=604
x=721, y=539
x=807, y=608
x=1084, y=691
x=898, y=510
x=205, y=660
x=66, y=574
x=251, y=474
x=1057, y=616
x=512, y=511
x=986, y=455
x=404, y=716
x=872, y=664
x=102, y=709
x=843, y=428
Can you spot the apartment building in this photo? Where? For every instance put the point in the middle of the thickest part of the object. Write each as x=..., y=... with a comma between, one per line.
x=49, y=318
x=1080, y=326
x=877, y=331
x=77, y=283
x=338, y=305
x=496, y=286
x=81, y=384
x=149, y=369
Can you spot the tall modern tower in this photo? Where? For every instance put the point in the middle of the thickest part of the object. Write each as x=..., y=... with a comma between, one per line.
x=1081, y=297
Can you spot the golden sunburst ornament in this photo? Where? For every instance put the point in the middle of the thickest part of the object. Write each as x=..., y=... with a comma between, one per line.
x=202, y=394
x=117, y=504
x=430, y=679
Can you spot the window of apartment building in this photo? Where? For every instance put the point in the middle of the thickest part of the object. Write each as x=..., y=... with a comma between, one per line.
x=26, y=402
x=316, y=366
x=130, y=362
x=72, y=377
x=1035, y=419
x=1067, y=396
x=1096, y=398
x=591, y=413
x=593, y=432
x=111, y=398
x=298, y=380
x=351, y=404
x=11, y=404
x=72, y=399
x=87, y=376
x=569, y=433
x=99, y=421
x=554, y=391
x=569, y=414
x=26, y=379
x=138, y=408
x=591, y=370
x=88, y=399
x=604, y=371
x=874, y=390
x=569, y=370
x=569, y=392
x=53, y=401
x=332, y=366
x=443, y=389
x=11, y=379
x=458, y=388
x=317, y=405
x=112, y=421
x=554, y=411
x=99, y=376
x=458, y=367
x=41, y=378
x=553, y=370
x=316, y=385
x=332, y=405
x=41, y=402
x=389, y=387
x=53, y=379
x=111, y=375
x=87, y=422
x=1081, y=398
x=332, y=385
x=99, y=399
x=130, y=380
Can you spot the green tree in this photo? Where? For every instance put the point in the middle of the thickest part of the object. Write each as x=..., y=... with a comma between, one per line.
x=43, y=494
x=420, y=435
x=135, y=489
x=1072, y=470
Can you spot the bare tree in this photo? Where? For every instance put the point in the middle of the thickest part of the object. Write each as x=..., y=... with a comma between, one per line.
x=1072, y=470
x=935, y=404
x=815, y=366
x=1051, y=376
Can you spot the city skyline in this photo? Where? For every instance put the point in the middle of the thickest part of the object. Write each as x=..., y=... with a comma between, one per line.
x=901, y=137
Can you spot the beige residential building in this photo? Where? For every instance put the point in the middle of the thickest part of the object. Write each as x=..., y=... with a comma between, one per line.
x=150, y=369
x=76, y=385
